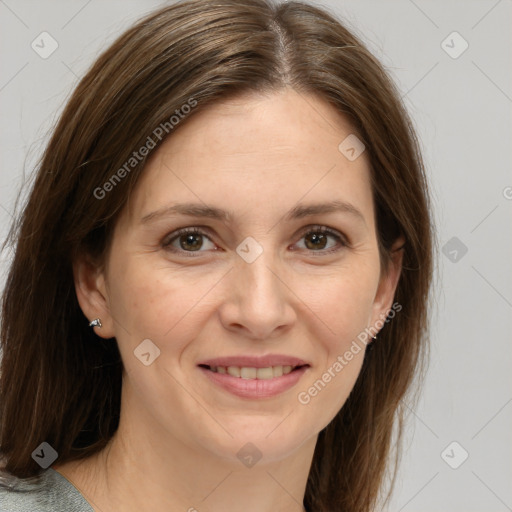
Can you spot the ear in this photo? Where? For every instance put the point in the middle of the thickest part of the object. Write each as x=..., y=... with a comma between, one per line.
x=92, y=295
x=387, y=285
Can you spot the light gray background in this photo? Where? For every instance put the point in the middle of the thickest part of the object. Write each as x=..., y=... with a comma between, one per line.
x=462, y=110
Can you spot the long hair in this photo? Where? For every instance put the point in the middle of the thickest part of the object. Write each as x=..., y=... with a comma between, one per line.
x=59, y=382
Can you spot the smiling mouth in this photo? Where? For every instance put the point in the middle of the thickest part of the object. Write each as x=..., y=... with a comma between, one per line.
x=248, y=372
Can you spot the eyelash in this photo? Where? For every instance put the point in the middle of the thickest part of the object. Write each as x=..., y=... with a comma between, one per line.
x=166, y=244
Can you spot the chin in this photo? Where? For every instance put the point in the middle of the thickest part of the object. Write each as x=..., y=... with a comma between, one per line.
x=268, y=441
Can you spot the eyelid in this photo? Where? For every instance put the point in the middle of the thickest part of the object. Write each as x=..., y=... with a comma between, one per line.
x=207, y=232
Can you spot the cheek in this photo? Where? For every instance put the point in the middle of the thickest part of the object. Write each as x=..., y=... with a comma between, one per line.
x=344, y=304
x=157, y=301
x=149, y=301
x=345, y=308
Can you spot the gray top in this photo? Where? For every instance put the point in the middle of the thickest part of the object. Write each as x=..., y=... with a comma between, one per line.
x=47, y=492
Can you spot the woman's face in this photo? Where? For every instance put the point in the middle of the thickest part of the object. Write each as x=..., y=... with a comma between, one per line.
x=264, y=281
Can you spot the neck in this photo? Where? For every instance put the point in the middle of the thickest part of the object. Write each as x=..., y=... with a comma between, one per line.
x=143, y=468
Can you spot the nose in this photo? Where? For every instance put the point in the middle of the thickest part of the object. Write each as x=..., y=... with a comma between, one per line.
x=258, y=300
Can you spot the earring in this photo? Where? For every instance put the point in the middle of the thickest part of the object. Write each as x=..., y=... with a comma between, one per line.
x=370, y=346
x=95, y=323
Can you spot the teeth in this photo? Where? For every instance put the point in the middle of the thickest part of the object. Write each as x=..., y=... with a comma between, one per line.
x=234, y=371
x=264, y=373
x=279, y=370
x=246, y=372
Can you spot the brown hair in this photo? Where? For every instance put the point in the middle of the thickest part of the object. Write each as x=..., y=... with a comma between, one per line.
x=59, y=382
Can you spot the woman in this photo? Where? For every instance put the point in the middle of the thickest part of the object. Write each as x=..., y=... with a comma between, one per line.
x=219, y=291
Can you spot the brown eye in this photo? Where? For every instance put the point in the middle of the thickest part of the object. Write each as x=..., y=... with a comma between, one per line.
x=186, y=240
x=317, y=240
x=190, y=241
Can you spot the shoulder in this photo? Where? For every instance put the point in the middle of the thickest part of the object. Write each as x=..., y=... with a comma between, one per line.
x=47, y=492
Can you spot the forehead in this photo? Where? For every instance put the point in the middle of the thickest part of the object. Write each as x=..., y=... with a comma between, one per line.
x=236, y=152
x=261, y=124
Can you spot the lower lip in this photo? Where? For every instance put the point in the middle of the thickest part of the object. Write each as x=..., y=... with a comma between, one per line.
x=255, y=388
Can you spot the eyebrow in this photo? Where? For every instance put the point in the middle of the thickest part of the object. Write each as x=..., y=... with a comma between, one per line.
x=297, y=212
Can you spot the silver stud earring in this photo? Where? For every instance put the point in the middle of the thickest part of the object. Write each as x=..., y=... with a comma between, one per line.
x=95, y=323
x=371, y=344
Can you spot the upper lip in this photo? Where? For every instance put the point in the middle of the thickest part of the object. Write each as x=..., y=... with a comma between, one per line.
x=255, y=361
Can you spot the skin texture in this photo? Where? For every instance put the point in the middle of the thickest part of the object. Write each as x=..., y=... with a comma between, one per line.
x=176, y=447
